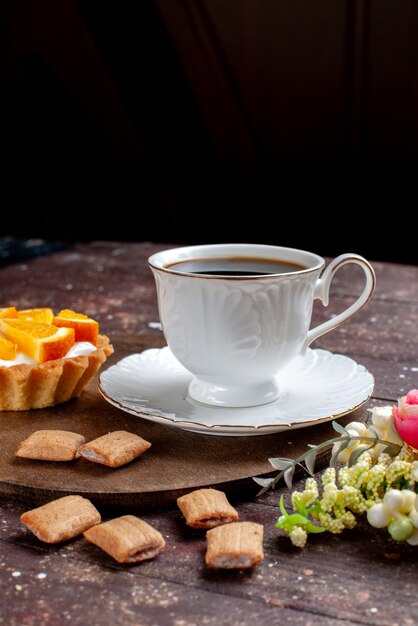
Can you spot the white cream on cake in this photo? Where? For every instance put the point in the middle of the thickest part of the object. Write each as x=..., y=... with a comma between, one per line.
x=18, y=360
x=80, y=348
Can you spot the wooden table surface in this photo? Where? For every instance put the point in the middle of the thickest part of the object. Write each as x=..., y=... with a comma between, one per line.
x=359, y=577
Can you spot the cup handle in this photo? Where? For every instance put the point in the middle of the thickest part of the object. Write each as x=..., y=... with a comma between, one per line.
x=321, y=291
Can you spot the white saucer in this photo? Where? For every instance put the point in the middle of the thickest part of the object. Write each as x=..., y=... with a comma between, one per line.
x=317, y=387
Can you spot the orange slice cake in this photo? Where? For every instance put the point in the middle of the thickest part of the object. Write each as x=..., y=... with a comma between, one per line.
x=86, y=329
x=47, y=359
x=42, y=316
x=42, y=342
x=7, y=349
x=9, y=311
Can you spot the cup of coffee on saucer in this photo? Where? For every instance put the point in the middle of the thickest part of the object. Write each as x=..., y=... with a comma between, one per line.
x=235, y=315
x=236, y=318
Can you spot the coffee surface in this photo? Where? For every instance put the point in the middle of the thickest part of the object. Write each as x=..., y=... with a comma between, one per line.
x=236, y=266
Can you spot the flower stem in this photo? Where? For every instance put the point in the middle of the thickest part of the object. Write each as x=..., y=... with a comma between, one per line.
x=342, y=439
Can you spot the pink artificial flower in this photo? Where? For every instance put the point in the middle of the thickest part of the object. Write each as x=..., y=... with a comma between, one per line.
x=405, y=417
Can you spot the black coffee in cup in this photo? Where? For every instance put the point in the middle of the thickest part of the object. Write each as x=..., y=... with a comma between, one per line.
x=235, y=266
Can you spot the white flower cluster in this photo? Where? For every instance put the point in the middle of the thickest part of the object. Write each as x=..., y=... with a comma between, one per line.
x=298, y=537
x=399, y=513
x=381, y=485
x=382, y=426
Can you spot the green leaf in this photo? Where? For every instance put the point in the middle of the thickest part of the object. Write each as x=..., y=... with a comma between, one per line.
x=263, y=482
x=310, y=459
x=344, y=444
x=311, y=528
x=392, y=449
x=340, y=429
x=288, y=476
x=281, y=463
x=301, y=509
x=296, y=519
x=282, y=507
x=334, y=458
x=356, y=454
x=314, y=510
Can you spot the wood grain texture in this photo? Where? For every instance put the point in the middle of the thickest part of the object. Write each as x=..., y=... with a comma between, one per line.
x=177, y=462
x=359, y=577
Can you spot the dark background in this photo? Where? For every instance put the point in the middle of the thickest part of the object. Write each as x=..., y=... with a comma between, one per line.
x=291, y=122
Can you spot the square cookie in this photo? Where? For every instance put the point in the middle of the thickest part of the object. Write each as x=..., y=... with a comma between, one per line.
x=127, y=539
x=114, y=449
x=51, y=445
x=61, y=519
x=235, y=546
x=206, y=508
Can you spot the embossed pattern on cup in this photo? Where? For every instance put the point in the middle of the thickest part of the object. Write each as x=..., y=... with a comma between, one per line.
x=235, y=334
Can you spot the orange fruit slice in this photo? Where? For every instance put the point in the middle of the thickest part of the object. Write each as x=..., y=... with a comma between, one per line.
x=85, y=328
x=9, y=311
x=7, y=349
x=42, y=342
x=41, y=316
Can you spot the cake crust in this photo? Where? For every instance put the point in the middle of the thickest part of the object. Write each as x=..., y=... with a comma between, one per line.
x=24, y=387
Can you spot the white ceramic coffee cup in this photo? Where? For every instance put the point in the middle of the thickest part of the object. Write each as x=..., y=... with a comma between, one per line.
x=235, y=334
